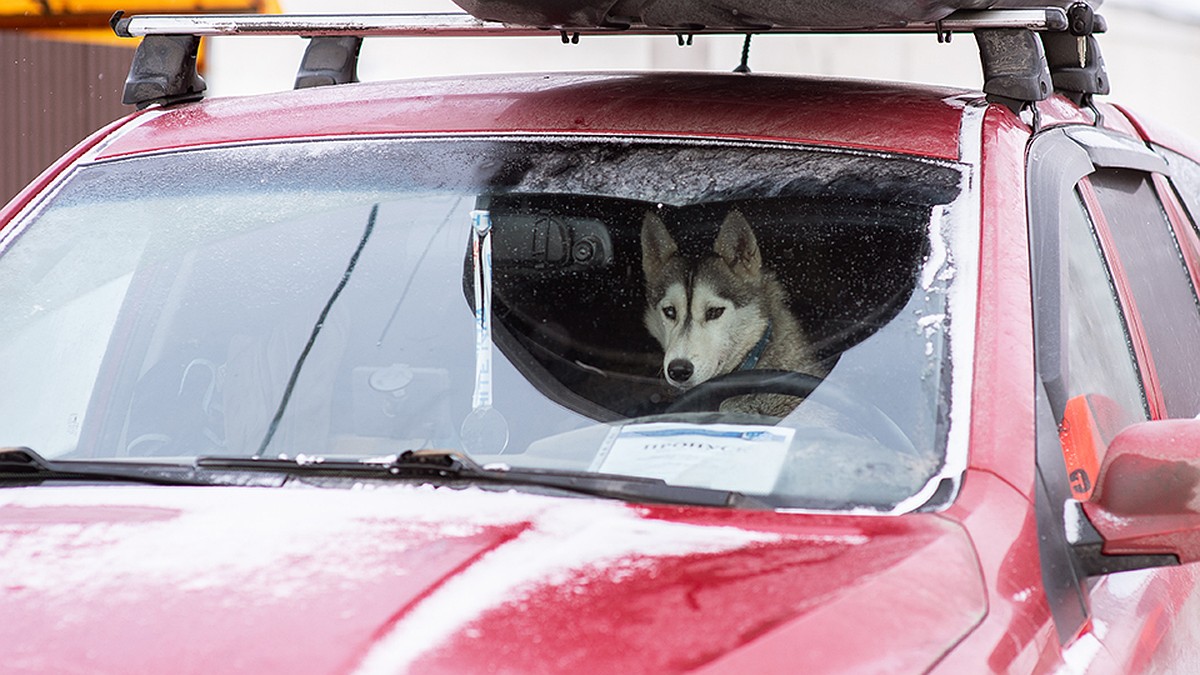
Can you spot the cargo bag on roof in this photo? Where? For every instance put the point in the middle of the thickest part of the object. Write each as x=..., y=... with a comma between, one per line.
x=734, y=14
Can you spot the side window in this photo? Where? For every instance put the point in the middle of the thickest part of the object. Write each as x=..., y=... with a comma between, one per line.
x=1160, y=293
x=1104, y=391
x=1100, y=356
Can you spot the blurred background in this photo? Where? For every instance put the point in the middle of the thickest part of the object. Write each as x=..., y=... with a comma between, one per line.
x=62, y=71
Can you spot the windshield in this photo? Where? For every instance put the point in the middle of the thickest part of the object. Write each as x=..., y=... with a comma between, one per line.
x=617, y=306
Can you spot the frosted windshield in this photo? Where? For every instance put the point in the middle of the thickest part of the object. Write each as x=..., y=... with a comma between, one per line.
x=320, y=299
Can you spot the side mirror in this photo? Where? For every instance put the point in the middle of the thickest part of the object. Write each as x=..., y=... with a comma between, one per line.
x=1145, y=503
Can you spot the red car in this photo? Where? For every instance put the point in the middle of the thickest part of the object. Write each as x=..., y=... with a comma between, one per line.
x=436, y=375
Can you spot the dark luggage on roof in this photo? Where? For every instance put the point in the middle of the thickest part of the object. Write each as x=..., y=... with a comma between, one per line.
x=734, y=14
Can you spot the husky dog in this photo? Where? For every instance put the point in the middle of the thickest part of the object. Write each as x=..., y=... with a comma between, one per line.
x=721, y=313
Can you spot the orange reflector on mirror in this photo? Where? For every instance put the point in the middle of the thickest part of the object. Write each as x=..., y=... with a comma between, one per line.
x=1082, y=446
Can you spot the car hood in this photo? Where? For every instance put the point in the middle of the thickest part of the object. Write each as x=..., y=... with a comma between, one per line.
x=408, y=579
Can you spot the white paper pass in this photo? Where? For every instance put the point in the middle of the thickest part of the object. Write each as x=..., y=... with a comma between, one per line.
x=739, y=457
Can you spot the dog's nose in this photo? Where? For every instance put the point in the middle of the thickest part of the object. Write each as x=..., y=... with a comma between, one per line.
x=680, y=370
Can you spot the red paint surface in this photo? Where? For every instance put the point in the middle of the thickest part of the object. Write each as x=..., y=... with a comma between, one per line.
x=158, y=627
x=1152, y=130
x=1116, y=119
x=1017, y=632
x=1147, y=498
x=961, y=589
x=798, y=603
x=855, y=114
x=22, y=199
x=1002, y=400
x=1059, y=110
x=1149, y=631
x=811, y=579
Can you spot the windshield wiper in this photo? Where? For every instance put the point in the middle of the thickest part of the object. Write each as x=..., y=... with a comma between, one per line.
x=449, y=465
x=24, y=466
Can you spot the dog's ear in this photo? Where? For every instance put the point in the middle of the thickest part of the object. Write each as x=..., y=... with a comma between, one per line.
x=657, y=245
x=737, y=246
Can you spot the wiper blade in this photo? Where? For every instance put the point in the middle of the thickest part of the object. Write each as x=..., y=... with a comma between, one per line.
x=24, y=466
x=445, y=464
x=20, y=460
x=604, y=485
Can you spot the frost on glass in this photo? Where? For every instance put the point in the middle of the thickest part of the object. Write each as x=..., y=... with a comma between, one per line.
x=318, y=299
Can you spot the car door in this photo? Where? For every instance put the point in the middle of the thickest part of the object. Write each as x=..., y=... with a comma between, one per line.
x=1161, y=606
x=1117, y=327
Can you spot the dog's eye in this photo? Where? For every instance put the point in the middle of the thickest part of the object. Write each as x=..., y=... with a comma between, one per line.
x=713, y=313
x=669, y=312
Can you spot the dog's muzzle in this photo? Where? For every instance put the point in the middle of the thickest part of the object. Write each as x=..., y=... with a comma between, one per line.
x=679, y=371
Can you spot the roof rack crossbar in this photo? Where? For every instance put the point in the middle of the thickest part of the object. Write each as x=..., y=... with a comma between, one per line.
x=455, y=24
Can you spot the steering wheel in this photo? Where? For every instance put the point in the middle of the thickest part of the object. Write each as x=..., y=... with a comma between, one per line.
x=708, y=396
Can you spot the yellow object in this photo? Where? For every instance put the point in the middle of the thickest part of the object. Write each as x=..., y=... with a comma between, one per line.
x=54, y=8
x=87, y=20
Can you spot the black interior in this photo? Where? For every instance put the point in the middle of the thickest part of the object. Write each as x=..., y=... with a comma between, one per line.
x=575, y=327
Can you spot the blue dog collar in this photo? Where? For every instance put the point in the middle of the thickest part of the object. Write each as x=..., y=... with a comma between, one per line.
x=755, y=354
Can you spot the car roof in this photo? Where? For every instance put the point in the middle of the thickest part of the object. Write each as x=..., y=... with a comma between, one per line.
x=891, y=117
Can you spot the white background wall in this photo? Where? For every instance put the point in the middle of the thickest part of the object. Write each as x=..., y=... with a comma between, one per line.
x=1152, y=51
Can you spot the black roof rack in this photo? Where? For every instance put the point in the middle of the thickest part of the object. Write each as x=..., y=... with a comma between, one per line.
x=1014, y=58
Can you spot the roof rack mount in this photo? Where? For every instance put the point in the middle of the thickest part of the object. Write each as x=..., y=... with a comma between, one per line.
x=1016, y=71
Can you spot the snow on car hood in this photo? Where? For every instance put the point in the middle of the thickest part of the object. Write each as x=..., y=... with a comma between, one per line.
x=405, y=579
